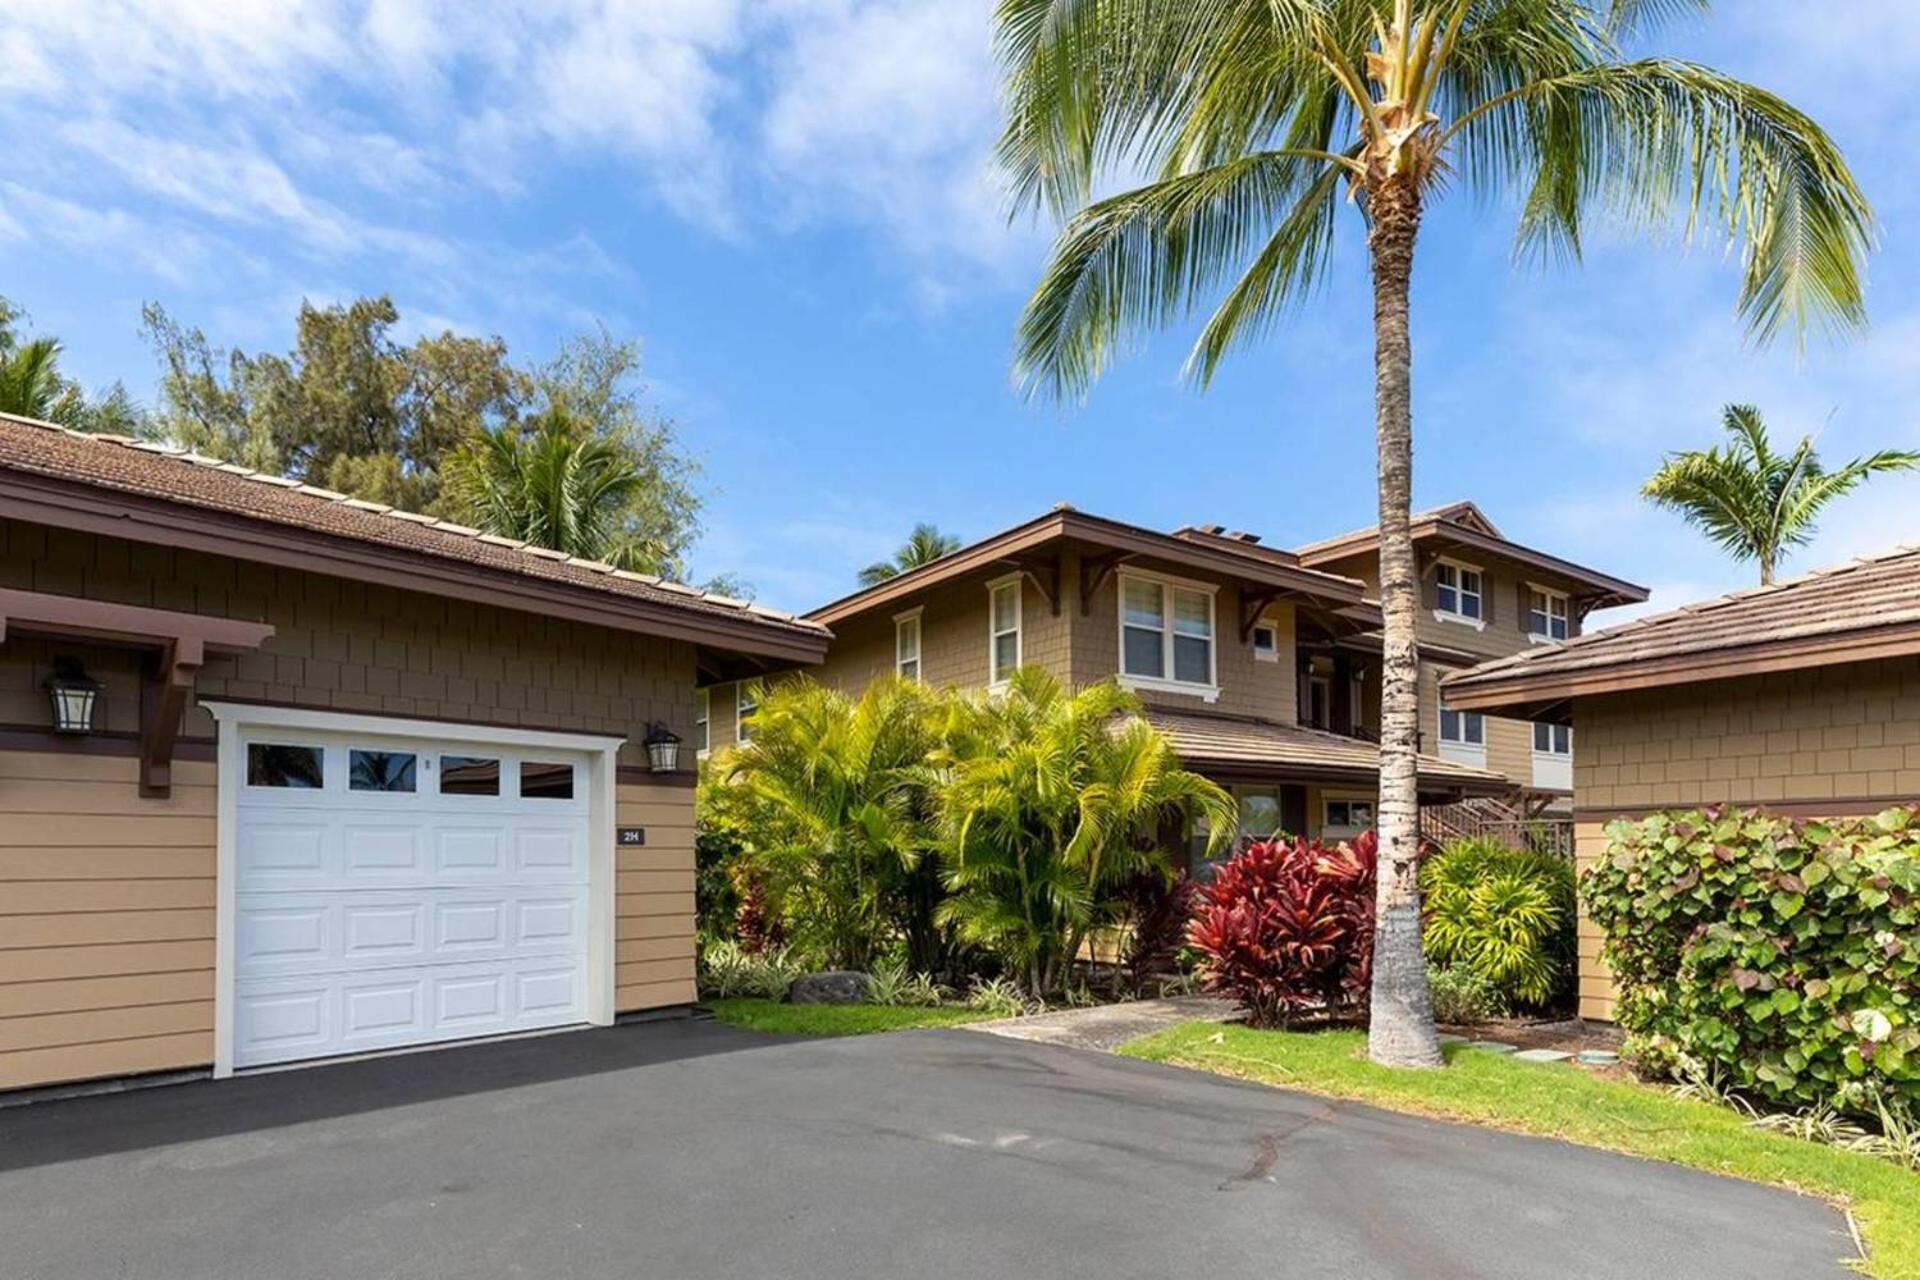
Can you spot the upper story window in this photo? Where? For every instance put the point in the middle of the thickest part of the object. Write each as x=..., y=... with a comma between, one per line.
x=1459, y=593
x=1462, y=728
x=1166, y=634
x=746, y=705
x=1547, y=614
x=1266, y=642
x=702, y=713
x=1552, y=739
x=906, y=645
x=1003, y=629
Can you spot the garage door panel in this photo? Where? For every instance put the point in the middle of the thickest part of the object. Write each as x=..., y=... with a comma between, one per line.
x=374, y=917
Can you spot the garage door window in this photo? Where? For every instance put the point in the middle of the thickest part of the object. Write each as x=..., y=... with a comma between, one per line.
x=469, y=776
x=272, y=764
x=540, y=781
x=381, y=771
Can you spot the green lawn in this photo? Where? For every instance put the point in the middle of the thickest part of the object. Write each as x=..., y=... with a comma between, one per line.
x=1562, y=1101
x=833, y=1019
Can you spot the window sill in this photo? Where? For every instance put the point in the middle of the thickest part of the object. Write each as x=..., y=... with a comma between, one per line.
x=1149, y=684
x=1460, y=619
x=1536, y=638
x=1270, y=656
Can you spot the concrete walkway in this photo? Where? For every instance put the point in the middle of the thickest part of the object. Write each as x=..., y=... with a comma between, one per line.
x=1106, y=1027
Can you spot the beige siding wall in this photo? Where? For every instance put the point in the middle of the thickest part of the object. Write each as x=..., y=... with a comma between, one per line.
x=106, y=898
x=1830, y=742
x=106, y=919
x=653, y=909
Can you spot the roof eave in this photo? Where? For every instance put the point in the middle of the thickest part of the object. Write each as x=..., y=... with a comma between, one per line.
x=1604, y=590
x=90, y=508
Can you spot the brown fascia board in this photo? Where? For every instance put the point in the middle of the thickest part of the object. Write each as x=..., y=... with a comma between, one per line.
x=1501, y=691
x=136, y=517
x=1610, y=589
x=1112, y=535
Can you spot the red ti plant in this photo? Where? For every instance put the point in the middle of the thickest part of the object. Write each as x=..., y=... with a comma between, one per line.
x=1287, y=926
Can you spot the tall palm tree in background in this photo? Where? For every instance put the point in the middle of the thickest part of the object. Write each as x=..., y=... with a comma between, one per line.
x=924, y=545
x=30, y=381
x=1250, y=123
x=551, y=483
x=1758, y=504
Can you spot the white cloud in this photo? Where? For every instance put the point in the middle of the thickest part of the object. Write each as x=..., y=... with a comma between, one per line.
x=112, y=235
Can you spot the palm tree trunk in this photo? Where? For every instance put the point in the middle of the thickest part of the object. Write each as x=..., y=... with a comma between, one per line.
x=1401, y=1031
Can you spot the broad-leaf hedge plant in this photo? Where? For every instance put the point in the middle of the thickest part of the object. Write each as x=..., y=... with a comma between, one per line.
x=1782, y=955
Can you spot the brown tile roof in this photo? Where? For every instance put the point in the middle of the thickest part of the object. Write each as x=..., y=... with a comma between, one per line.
x=176, y=476
x=1464, y=527
x=1864, y=609
x=1292, y=750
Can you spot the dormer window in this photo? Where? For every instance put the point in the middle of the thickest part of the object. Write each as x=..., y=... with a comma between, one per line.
x=1547, y=614
x=1459, y=594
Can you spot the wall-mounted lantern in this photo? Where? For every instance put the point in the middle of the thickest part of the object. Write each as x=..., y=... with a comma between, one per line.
x=663, y=749
x=74, y=695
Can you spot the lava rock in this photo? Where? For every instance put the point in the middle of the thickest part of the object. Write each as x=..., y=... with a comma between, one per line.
x=836, y=986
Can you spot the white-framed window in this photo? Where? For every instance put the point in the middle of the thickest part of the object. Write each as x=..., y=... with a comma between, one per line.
x=1463, y=737
x=1003, y=629
x=1548, y=614
x=906, y=644
x=1166, y=635
x=746, y=705
x=1266, y=642
x=1347, y=815
x=702, y=717
x=1552, y=757
x=1459, y=593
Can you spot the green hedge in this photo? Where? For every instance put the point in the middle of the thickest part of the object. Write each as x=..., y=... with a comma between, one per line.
x=1782, y=955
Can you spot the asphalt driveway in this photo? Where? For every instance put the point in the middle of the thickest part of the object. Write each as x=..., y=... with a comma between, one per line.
x=691, y=1150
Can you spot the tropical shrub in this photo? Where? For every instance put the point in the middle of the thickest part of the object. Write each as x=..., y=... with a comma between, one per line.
x=1781, y=955
x=1288, y=925
x=1000, y=997
x=1505, y=914
x=892, y=983
x=728, y=969
x=834, y=799
x=1157, y=910
x=1050, y=804
x=1463, y=997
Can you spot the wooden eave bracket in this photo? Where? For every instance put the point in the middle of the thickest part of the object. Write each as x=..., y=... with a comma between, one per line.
x=179, y=644
x=1094, y=572
x=1251, y=609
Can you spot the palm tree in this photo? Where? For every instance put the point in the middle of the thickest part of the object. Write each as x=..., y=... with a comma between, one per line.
x=30, y=381
x=836, y=793
x=1251, y=119
x=550, y=483
x=923, y=546
x=1051, y=804
x=1758, y=504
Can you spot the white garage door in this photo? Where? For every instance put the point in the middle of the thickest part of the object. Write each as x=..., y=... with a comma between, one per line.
x=398, y=892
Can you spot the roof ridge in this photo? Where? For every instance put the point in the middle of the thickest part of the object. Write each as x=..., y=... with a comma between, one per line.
x=182, y=454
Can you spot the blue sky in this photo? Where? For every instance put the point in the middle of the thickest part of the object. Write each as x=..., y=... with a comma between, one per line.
x=789, y=202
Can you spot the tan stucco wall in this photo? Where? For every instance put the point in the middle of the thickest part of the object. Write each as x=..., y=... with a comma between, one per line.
x=1829, y=742
x=106, y=898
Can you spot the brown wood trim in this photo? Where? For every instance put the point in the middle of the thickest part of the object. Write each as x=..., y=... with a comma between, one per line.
x=487, y=724
x=24, y=737
x=1834, y=807
x=89, y=509
x=638, y=775
x=163, y=701
x=1616, y=590
x=1113, y=536
x=1497, y=690
x=45, y=614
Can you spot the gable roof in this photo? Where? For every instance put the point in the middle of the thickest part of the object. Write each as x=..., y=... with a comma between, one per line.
x=1017, y=547
x=1854, y=612
x=152, y=492
x=1463, y=526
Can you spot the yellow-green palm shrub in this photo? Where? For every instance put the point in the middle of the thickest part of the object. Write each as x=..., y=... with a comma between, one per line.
x=1050, y=805
x=1779, y=955
x=833, y=800
x=1503, y=914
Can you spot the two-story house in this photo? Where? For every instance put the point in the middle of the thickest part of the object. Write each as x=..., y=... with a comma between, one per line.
x=1254, y=661
x=1483, y=596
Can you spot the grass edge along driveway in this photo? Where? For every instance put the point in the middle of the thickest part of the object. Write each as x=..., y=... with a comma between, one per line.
x=1559, y=1101
x=780, y=1018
